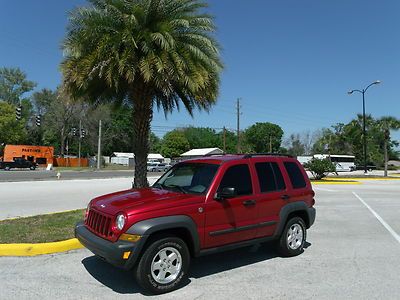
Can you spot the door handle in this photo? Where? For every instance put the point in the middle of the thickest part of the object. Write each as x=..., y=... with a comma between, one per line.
x=285, y=197
x=249, y=202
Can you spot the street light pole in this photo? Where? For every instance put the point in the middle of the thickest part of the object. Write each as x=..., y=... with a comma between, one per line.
x=80, y=142
x=364, y=135
x=364, y=121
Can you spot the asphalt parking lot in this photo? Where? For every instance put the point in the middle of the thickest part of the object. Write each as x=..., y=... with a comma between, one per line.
x=353, y=252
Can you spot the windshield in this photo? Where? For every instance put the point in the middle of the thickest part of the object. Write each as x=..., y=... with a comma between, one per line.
x=188, y=178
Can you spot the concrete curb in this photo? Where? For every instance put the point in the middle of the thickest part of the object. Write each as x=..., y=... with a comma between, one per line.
x=39, y=249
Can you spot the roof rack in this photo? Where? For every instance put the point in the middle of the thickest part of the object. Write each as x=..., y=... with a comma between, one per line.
x=214, y=154
x=266, y=154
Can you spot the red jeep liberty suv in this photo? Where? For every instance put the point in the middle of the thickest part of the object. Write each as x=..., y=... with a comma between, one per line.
x=197, y=207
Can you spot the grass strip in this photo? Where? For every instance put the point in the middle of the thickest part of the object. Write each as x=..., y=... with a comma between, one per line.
x=40, y=229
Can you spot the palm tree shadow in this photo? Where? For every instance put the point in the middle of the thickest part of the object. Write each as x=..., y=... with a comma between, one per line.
x=123, y=282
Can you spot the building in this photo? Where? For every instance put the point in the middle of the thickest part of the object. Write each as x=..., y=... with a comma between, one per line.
x=201, y=152
x=128, y=159
x=123, y=158
x=42, y=155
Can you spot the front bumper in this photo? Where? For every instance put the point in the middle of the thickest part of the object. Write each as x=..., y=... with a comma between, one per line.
x=111, y=252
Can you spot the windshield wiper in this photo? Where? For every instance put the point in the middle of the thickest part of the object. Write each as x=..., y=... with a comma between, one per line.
x=177, y=187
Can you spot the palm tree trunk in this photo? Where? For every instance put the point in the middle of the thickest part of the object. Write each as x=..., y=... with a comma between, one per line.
x=142, y=116
x=385, y=145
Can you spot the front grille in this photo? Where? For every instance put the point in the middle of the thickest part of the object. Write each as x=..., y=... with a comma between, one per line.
x=99, y=223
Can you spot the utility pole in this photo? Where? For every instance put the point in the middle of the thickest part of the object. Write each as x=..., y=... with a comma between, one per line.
x=238, y=124
x=224, y=139
x=99, y=147
x=270, y=144
x=80, y=142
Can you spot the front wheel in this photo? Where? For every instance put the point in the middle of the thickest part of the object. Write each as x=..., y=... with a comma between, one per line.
x=163, y=265
x=291, y=242
x=32, y=168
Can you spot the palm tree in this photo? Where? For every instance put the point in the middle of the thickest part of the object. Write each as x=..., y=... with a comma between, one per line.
x=387, y=124
x=144, y=53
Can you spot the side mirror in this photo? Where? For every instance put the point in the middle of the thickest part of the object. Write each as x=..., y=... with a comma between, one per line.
x=226, y=193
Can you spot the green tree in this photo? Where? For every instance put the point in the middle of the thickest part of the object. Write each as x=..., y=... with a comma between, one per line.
x=13, y=85
x=348, y=139
x=146, y=53
x=230, y=141
x=61, y=115
x=386, y=124
x=121, y=130
x=39, y=104
x=320, y=168
x=174, y=144
x=264, y=137
x=201, y=137
x=11, y=130
x=155, y=143
x=295, y=146
x=43, y=100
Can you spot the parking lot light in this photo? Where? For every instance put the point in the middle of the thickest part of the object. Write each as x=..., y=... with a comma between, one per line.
x=364, y=121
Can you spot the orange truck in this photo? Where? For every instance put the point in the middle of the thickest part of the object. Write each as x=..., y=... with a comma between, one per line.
x=41, y=155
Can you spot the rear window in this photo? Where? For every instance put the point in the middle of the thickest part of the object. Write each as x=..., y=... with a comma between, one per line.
x=295, y=175
x=269, y=177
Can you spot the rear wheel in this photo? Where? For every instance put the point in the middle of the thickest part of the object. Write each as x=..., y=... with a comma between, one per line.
x=291, y=242
x=163, y=265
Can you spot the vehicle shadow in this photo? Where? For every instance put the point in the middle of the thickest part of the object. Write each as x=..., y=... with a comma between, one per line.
x=119, y=280
x=123, y=282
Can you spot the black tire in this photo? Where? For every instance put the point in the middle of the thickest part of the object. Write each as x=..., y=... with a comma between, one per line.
x=145, y=277
x=293, y=246
x=32, y=168
x=7, y=168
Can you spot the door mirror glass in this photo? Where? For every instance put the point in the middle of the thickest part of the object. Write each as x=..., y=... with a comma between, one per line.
x=226, y=193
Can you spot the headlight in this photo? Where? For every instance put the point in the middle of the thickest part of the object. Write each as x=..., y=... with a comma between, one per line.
x=120, y=221
x=87, y=211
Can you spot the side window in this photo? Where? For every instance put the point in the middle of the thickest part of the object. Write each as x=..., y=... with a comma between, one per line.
x=280, y=182
x=239, y=178
x=295, y=175
x=270, y=177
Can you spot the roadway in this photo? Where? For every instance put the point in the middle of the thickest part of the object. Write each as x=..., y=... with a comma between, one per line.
x=27, y=175
x=27, y=198
x=351, y=254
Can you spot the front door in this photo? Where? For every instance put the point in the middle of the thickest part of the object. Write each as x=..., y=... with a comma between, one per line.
x=232, y=220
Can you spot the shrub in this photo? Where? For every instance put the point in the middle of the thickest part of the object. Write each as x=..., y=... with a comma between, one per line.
x=320, y=168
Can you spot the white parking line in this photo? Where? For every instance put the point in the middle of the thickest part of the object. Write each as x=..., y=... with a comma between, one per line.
x=386, y=225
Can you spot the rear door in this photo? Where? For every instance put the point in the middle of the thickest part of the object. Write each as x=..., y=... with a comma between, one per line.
x=231, y=220
x=271, y=194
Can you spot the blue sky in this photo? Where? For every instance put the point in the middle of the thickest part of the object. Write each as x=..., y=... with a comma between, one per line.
x=291, y=62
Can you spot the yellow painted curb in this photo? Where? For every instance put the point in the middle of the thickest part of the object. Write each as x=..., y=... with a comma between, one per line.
x=336, y=182
x=362, y=178
x=38, y=249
